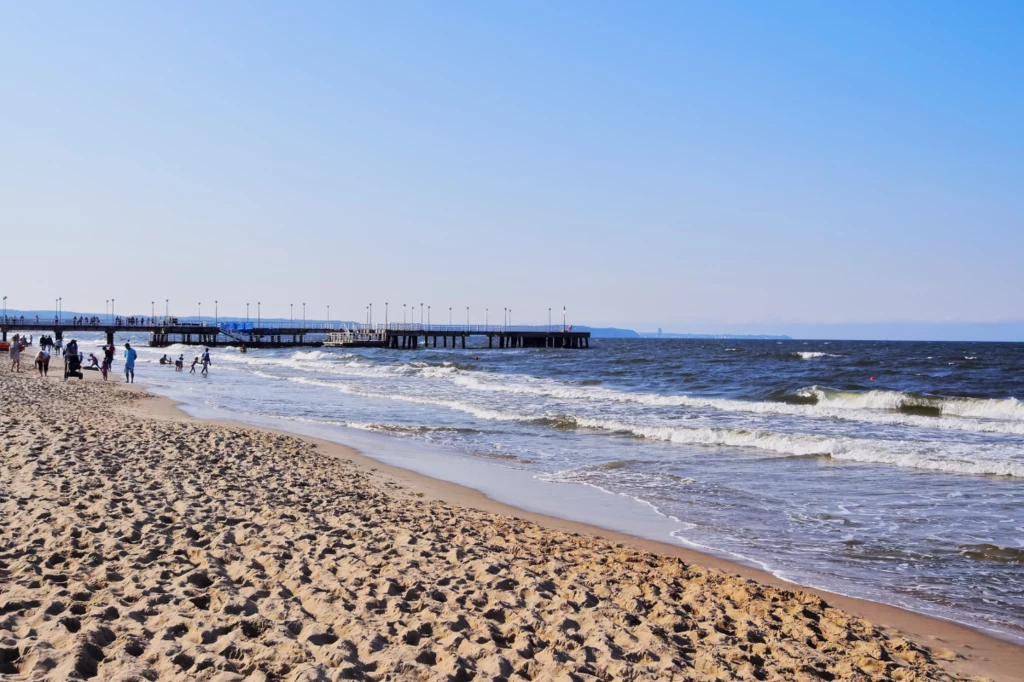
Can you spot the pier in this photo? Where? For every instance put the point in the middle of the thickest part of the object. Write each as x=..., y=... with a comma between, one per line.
x=394, y=336
x=408, y=336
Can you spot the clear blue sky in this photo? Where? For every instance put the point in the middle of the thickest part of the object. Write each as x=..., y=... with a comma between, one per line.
x=673, y=164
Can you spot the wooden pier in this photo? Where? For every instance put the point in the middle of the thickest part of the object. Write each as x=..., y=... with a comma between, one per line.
x=394, y=336
x=407, y=337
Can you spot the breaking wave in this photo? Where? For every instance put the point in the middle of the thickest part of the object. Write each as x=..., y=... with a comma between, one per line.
x=919, y=455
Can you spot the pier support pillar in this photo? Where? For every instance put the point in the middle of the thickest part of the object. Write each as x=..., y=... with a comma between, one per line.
x=110, y=336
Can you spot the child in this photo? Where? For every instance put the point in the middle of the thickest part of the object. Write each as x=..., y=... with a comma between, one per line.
x=105, y=367
x=194, y=363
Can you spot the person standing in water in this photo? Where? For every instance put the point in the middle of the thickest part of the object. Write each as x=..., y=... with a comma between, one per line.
x=206, y=361
x=129, y=363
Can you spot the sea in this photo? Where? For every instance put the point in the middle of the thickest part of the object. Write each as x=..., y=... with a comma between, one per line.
x=890, y=471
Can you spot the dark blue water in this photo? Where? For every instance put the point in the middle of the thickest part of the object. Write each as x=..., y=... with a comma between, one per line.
x=891, y=471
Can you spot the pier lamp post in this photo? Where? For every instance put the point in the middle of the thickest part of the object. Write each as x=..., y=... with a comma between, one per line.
x=303, y=315
x=5, y=309
x=563, y=318
x=449, y=316
x=111, y=309
x=329, y=317
x=487, y=312
x=371, y=314
x=60, y=307
x=549, y=319
x=167, y=309
x=428, y=317
x=504, y=319
x=56, y=311
x=509, y=318
x=385, y=314
x=403, y=314
x=421, y=314
x=247, y=314
x=152, y=311
x=216, y=314
x=200, y=304
x=258, y=324
x=106, y=307
x=467, y=318
x=291, y=315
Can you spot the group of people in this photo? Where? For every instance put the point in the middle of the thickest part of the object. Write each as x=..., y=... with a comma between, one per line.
x=83, y=320
x=134, y=321
x=46, y=342
x=179, y=364
x=74, y=359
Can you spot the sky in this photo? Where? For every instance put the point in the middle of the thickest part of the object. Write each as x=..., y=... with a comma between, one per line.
x=660, y=164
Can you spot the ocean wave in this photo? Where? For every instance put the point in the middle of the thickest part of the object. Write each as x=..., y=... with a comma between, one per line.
x=1009, y=409
x=811, y=402
x=945, y=457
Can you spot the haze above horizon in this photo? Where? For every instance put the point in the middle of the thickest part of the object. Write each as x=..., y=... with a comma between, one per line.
x=661, y=164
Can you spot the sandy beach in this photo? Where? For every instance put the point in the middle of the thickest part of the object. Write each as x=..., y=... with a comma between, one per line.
x=137, y=543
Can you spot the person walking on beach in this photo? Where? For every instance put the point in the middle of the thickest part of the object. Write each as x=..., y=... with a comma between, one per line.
x=15, y=352
x=108, y=355
x=195, y=361
x=129, y=363
x=206, y=361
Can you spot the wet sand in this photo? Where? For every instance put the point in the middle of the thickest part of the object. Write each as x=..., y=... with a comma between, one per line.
x=137, y=543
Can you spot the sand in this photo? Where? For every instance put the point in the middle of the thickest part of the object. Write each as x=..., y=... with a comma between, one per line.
x=139, y=544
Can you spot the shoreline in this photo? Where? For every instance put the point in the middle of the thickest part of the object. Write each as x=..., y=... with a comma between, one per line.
x=259, y=536
x=1000, y=659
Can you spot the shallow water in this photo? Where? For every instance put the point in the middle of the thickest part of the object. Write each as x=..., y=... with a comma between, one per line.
x=884, y=470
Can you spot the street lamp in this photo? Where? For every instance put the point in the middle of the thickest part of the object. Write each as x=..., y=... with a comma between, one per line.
x=247, y=314
x=258, y=323
x=385, y=314
x=563, y=318
x=428, y=317
x=403, y=313
x=549, y=319
x=5, y=309
x=111, y=308
x=487, y=312
x=421, y=314
x=329, y=317
x=152, y=311
x=291, y=316
x=167, y=309
x=303, y=315
x=449, y=316
x=200, y=304
x=467, y=318
x=216, y=315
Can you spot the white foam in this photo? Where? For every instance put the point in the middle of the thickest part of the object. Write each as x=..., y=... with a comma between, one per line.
x=949, y=457
x=867, y=407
